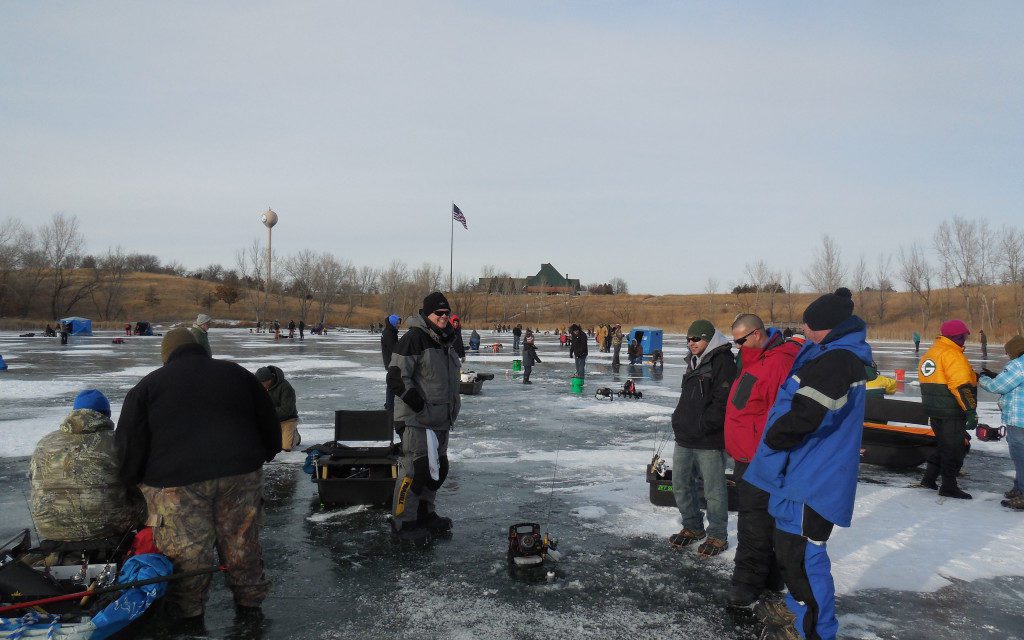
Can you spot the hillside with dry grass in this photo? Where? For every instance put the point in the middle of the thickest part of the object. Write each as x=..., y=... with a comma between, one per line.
x=168, y=299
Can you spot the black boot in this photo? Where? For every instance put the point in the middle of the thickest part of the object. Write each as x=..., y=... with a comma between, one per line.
x=950, y=490
x=931, y=474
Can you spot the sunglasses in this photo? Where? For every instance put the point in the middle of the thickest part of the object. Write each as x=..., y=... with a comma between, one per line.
x=694, y=339
x=442, y=312
x=740, y=341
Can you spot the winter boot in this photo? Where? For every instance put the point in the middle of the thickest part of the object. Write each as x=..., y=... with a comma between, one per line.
x=1013, y=493
x=780, y=632
x=953, y=491
x=414, y=534
x=773, y=612
x=436, y=524
x=1017, y=504
x=713, y=547
x=931, y=474
x=685, y=537
x=742, y=596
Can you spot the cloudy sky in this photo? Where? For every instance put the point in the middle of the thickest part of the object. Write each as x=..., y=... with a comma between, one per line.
x=661, y=142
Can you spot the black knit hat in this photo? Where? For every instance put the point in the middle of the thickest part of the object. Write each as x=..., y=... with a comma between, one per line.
x=263, y=374
x=435, y=302
x=829, y=310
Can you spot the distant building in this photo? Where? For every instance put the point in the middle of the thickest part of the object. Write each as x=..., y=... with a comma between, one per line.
x=547, y=280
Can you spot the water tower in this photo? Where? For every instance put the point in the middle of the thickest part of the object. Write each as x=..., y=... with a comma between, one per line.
x=269, y=219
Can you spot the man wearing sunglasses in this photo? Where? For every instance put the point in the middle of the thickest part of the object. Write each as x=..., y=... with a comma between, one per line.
x=808, y=461
x=697, y=424
x=764, y=361
x=424, y=376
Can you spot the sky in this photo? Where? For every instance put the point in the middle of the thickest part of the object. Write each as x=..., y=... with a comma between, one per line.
x=664, y=143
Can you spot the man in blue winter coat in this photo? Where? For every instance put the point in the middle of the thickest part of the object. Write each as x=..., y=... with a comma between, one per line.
x=807, y=461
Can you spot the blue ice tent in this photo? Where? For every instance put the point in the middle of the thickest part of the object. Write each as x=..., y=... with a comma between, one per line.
x=79, y=326
x=649, y=337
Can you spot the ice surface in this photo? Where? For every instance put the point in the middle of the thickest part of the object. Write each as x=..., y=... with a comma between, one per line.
x=503, y=452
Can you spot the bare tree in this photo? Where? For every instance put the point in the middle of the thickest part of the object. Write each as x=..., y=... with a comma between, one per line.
x=252, y=264
x=195, y=291
x=301, y=270
x=111, y=271
x=958, y=244
x=328, y=279
x=10, y=257
x=917, y=273
x=619, y=286
x=710, y=289
x=883, y=284
x=1011, y=250
x=792, y=289
x=859, y=281
x=61, y=243
x=827, y=271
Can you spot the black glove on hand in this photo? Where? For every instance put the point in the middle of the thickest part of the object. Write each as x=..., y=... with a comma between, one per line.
x=985, y=371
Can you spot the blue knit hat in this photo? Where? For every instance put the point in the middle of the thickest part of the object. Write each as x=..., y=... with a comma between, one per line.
x=92, y=399
x=393, y=320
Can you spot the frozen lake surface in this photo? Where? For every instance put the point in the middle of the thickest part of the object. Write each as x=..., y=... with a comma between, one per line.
x=911, y=566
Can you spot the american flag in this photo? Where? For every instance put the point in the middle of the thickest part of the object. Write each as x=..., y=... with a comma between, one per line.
x=457, y=215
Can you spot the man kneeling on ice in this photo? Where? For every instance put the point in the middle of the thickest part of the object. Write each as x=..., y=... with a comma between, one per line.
x=282, y=394
x=808, y=461
x=424, y=376
x=76, y=491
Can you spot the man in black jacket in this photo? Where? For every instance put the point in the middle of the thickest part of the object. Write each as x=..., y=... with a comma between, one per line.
x=388, y=340
x=578, y=349
x=699, y=426
x=424, y=376
x=194, y=435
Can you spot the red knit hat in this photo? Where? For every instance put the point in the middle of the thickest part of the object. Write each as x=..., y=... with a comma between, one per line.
x=952, y=328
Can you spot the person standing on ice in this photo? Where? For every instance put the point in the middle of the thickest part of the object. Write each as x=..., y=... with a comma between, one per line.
x=578, y=349
x=808, y=461
x=517, y=333
x=199, y=331
x=1009, y=384
x=194, y=435
x=983, y=339
x=616, y=344
x=917, y=343
x=698, y=425
x=388, y=340
x=949, y=393
x=529, y=357
x=424, y=376
x=765, y=358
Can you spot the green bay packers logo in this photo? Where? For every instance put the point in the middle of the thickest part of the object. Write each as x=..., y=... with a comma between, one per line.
x=927, y=367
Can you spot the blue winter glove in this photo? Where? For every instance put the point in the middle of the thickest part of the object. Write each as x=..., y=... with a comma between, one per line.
x=972, y=420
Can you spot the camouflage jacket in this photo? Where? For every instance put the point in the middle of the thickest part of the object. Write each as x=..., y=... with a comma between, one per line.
x=76, y=492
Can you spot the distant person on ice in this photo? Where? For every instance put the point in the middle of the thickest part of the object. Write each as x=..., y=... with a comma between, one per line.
x=474, y=341
x=578, y=349
x=917, y=343
x=529, y=357
x=282, y=394
x=949, y=393
x=76, y=492
x=808, y=462
x=388, y=340
x=460, y=348
x=194, y=435
x=698, y=424
x=1009, y=384
x=199, y=331
x=424, y=376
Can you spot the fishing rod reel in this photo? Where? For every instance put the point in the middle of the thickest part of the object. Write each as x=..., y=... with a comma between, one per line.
x=528, y=548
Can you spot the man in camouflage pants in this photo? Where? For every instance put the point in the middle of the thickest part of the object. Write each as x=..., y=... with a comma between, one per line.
x=194, y=435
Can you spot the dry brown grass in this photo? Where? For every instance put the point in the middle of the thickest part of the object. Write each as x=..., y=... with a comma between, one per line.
x=178, y=303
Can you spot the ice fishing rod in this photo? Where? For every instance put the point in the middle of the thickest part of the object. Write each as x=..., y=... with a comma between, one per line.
x=112, y=588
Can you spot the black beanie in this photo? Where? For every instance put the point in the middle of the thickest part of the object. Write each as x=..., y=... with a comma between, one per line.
x=266, y=373
x=829, y=310
x=434, y=302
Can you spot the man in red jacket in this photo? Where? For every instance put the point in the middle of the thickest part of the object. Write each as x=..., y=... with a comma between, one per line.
x=764, y=362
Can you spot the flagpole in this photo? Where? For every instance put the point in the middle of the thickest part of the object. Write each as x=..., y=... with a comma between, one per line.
x=451, y=253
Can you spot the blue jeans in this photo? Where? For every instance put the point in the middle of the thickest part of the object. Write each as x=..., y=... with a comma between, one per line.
x=389, y=399
x=515, y=343
x=710, y=463
x=581, y=364
x=1015, y=440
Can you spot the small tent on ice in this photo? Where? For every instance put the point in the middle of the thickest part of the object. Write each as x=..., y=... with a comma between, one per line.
x=79, y=326
x=650, y=338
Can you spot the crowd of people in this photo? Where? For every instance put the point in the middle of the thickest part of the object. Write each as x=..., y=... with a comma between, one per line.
x=186, y=455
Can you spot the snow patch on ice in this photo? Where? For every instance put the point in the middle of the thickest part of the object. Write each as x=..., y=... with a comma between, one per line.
x=340, y=513
x=589, y=512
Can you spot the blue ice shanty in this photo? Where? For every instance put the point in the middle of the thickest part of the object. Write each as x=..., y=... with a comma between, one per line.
x=649, y=337
x=79, y=326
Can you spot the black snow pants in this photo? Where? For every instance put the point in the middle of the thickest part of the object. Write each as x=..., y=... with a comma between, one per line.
x=950, y=434
x=756, y=567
